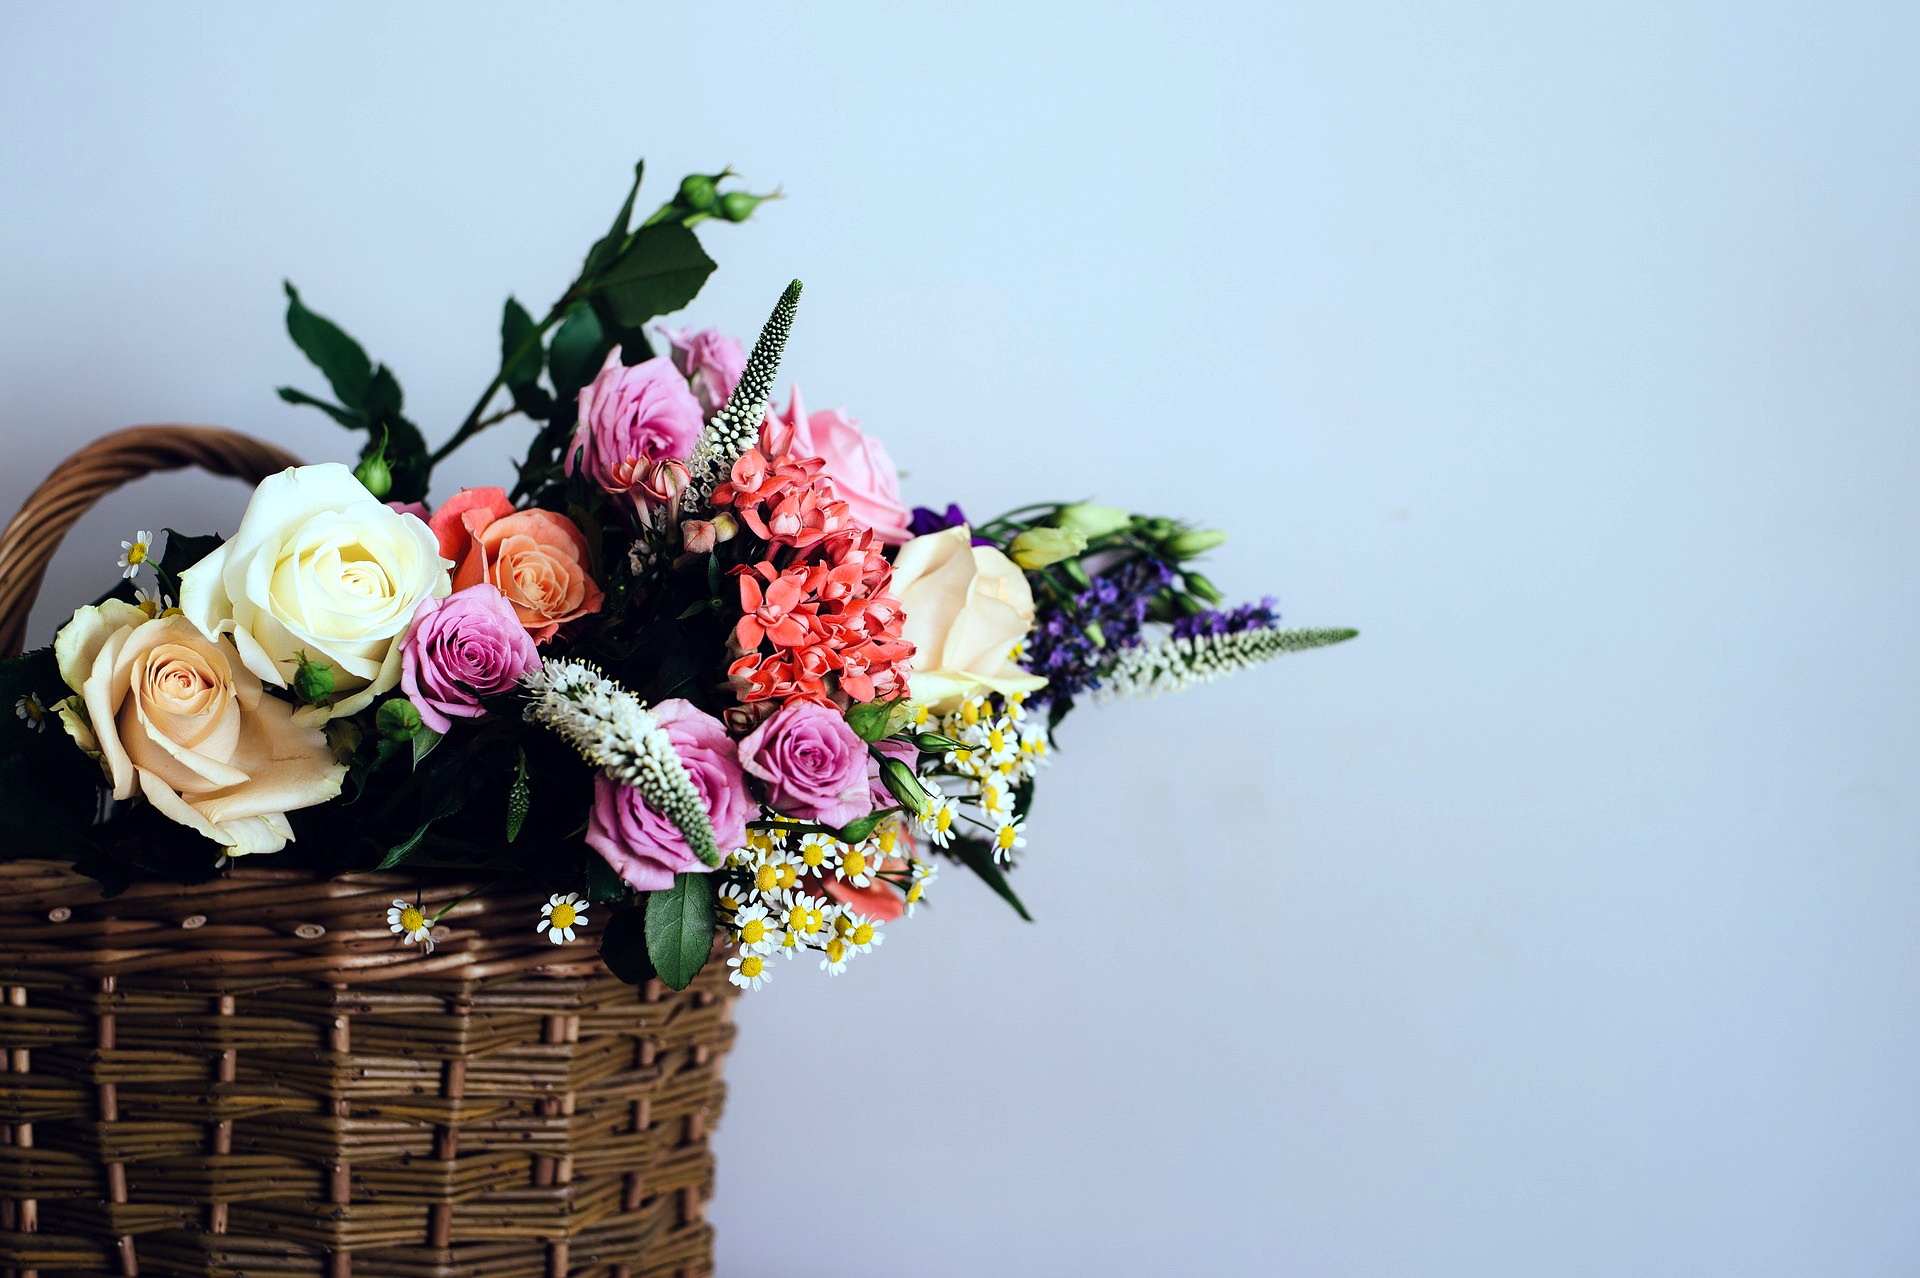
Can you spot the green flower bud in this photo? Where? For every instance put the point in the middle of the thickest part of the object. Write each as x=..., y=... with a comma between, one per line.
x=398, y=719
x=904, y=786
x=1038, y=547
x=313, y=681
x=1189, y=542
x=1155, y=527
x=935, y=742
x=698, y=191
x=1093, y=631
x=1076, y=573
x=868, y=719
x=1090, y=520
x=738, y=206
x=1201, y=588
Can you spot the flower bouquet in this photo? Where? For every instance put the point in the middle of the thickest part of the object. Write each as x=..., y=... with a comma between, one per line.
x=694, y=669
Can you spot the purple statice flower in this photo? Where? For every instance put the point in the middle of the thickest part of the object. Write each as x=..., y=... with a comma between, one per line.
x=1063, y=648
x=1261, y=616
x=927, y=520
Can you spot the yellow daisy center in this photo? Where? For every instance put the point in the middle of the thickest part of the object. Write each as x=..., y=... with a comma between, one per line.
x=813, y=854
x=753, y=931
x=412, y=919
x=913, y=893
x=970, y=712
x=863, y=934
x=836, y=949
x=996, y=740
x=787, y=876
x=752, y=965
x=766, y=877
x=564, y=915
x=854, y=864
x=137, y=553
x=1005, y=837
x=943, y=820
x=888, y=837
x=843, y=925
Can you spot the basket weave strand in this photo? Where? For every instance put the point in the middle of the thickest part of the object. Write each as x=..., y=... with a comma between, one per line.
x=249, y=1076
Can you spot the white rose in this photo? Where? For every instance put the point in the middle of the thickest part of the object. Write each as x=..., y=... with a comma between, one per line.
x=169, y=716
x=320, y=568
x=966, y=608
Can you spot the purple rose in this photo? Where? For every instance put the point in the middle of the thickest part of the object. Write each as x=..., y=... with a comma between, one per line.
x=814, y=765
x=631, y=416
x=709, y=359
x=645, y=848
x=460, y=649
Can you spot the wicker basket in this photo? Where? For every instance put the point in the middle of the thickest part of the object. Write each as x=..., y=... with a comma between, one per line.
x=246, y=1077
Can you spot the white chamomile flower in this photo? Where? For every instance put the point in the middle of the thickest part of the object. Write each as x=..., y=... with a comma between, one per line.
x=924, y=873
x=152, y=601
x=937, y=825
x=862, y=934
x=408, y=921
x=1009, y=836
x=857, y=865
x=917, y=715
x=750, y=971
x=972, y=710
x=560, y=916
x=805, y=916
x=730, y=897
x=1016, y=706
x=1002, y=741
x=834, y=955
x=134, y=553
x=756, y=929
x=819, y=852
x=996, y=798
x=31, y=712
x=775, y=871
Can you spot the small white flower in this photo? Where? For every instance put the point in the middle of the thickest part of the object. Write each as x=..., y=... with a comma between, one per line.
x=805, y=917
x=31, y=712
x=775, y=870
x=937, y=825
x=996, y=798
x=924, y=873
x=750, y=971
x=820, y=853
x=560, y=916
x=410, y=923
x=134, y=553
x=861, y=934
x=834, y=955
x=857, y=866
x=1011, y=835
x=756, y=929
x=152, y=601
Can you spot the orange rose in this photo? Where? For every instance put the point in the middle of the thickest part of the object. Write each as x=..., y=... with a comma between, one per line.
x=536, y=558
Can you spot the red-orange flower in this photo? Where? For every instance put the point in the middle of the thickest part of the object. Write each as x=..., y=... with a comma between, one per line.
x=536, y=558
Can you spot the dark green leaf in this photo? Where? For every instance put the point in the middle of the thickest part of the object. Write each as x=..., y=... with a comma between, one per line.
x=680, y=928
x=661, y=271
x=521, y=356
x=383, y=396
x=858, y=831
x=404, y=849
x=519, y=797
x=608, y=246
x=347, y=368
x=351, y=420
x=424, y=742
x=623, y=946
x=604, y=882
x=580, y=346
x=978, y=857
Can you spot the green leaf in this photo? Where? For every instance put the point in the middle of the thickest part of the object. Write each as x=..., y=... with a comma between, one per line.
x=351, y=420
x=604, y=882
x=519, y=797
x=660, y=272
x=858, y=831
x=978, y=857
x=183, y=552
x=521, y=356
x=680, y=929
x=579, y=347
x=383, y=396
x=608, y=245
x=404, y=849
x=339, y=357
x=424, y=743
x=623, y=946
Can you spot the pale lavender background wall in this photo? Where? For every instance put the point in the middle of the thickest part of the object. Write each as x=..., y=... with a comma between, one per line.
x=1563, y=925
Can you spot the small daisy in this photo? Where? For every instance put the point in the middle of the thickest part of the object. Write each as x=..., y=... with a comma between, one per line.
x=750, y=971
x=863, y=934
x=152, y=601
x=918, y=716
x=834, y=955
x=31, y=712
x=560, y=916
x=996, y=799
x=806, y=916
x=728, y=898
x=1008, y=837
x=774, y=871
x=756, y=930
x=938, y=824
x=818, y=852
x=134, y=553
x=856, y=866
x=409, y=922
x=924, y=873
x=971, y=710
x=1002, y=741
x=1016, y=706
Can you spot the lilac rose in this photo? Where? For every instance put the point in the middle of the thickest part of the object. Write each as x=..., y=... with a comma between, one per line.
x=709, y=359
x=814, y=765
x=463, y=648
x=630, y=417
x=647, y=849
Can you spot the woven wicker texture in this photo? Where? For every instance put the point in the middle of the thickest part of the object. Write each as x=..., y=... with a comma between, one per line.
x=249, y=1076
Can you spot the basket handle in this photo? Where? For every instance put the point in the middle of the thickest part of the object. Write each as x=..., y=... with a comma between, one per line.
x=27, y=545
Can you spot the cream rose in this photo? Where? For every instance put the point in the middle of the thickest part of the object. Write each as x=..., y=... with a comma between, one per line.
x=172, y=716
x=966, y=608
x=318, y=568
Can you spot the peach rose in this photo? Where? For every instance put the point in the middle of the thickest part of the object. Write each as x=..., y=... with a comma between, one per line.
x=966, y=608
x=173, y=716
x=536, y=558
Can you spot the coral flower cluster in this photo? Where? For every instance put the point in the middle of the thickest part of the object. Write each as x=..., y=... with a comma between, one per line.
x=818, y=619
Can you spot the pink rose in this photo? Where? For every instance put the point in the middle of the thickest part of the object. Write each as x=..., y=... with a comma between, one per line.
x=863, y=475
x=709, y=359
x=629, y=416
x=461, y=649
x=814, y=766
x=646, y=849
x=418, y=509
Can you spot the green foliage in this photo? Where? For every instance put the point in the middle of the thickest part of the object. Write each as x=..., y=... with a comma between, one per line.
x=978, y=857
x=661, y=271
x=580, y=346
x=519, y=796
x=368, y=394
x=623, y=945
x=680, y=929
